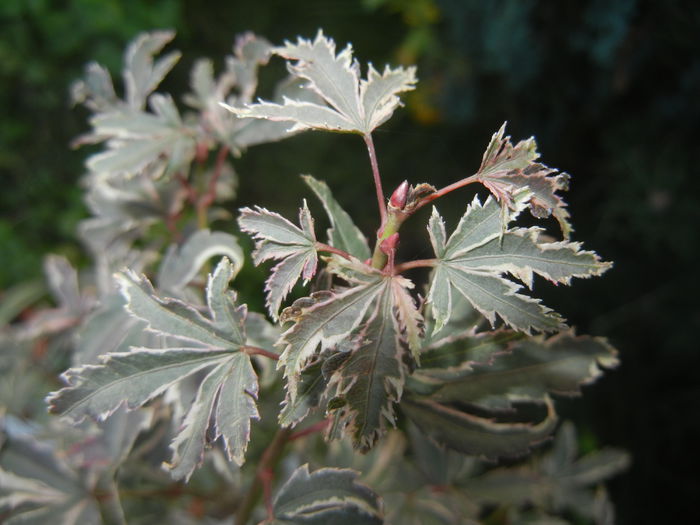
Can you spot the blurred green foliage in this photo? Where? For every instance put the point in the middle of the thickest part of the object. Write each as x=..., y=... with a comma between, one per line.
x=608, y=88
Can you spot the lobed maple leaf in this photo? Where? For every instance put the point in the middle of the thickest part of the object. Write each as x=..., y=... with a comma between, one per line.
x=472, y=261
x=135, y=377
x=353, y=105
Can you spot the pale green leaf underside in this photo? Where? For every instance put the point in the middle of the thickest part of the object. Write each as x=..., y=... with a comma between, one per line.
x=181, y=263
x=343, y=233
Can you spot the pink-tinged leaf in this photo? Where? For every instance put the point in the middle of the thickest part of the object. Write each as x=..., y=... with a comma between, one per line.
x=507, y=169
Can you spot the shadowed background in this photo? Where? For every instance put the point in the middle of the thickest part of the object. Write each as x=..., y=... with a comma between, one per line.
x=609, y=89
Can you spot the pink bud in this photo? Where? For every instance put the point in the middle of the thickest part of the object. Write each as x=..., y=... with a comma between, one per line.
x=398, y=198
x=389, y=244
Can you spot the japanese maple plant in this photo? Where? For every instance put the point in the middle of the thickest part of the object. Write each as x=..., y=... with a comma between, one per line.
x=371, y=398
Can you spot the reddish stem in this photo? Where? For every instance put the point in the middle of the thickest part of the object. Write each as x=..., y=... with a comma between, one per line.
x=207, y=199
x=189, y=190
x=419, y=263
x=377, y=179
x=327, y=248
x=447, y=189
x=319, y=426
x=254, y=350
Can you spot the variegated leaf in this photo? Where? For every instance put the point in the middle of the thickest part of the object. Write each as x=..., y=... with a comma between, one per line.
x=371, y=379
x=209, y=343
x=472, y=261
x=326, y=496
x=277, y=238
x=506, y=169
x=352, y=104
x=532, y=368
x=474, y=434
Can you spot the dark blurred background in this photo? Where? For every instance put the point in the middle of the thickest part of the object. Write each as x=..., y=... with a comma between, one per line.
x=610, y=89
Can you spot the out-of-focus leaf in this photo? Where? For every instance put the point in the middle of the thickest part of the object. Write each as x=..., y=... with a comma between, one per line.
x=157, y=138
x=133, y=378
x=532, y=368
x=37, y=485
x=557, y=481
x=352, y=105
x=343, y=234
x=277, y=238
x=325, y=496
x=181, y=263
x=142, y=74
x=506, y=169
x=472, y=434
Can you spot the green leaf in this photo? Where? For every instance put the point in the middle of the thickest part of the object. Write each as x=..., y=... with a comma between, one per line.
x=506, y=169
x=472, y=260
x=277, y=238
x=135, y=377
x=472, y=434
x=353, y=105
x=343, y=234
x=327, y=495
x=181, y=263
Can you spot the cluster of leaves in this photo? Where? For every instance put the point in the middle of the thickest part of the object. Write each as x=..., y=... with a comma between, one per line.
x=465, y=373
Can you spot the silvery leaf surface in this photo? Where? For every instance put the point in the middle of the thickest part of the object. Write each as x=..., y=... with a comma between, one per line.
x=352, y=104
x=38, y=485
x=212, y=343
x=277, y=238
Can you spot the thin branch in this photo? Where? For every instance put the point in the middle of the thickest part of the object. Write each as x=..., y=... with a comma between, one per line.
x=207, y=198
x=377, y=178
x=266, y=466
x=447, y=189
x=319, y=426
x=107, y=497
x=327, y=248
x=419, y=263
x=254, y=350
